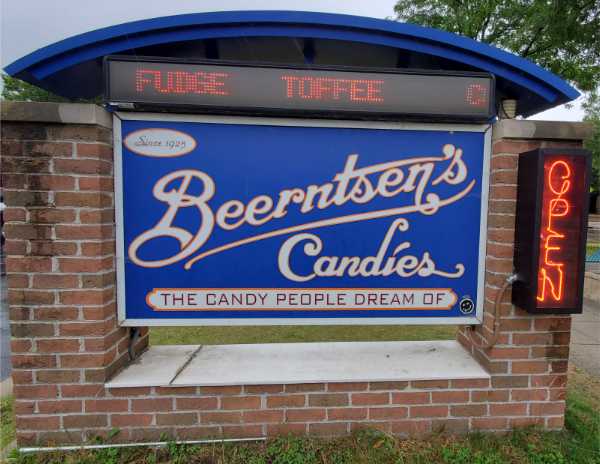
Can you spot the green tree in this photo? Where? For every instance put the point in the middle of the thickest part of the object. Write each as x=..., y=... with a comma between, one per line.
x=592, y=109
x=17, y=90
x=560, y=35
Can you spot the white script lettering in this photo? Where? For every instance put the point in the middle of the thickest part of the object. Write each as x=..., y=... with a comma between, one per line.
x=412, y=176
x=382, y=264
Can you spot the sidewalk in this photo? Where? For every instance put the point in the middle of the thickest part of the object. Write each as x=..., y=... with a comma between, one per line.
x=4, y=336
x=585, y=338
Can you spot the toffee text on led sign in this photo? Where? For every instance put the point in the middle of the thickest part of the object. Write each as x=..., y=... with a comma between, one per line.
x=321, y=88
x=292, y=90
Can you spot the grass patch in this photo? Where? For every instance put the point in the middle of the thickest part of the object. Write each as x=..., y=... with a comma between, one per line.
x=591, y=248
x=7, y=421
x=582, y=417
x=292, y=334
x=578, y=444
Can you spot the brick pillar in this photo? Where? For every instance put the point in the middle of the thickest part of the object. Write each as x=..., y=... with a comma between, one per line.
x=529, y=362
x=57, y=177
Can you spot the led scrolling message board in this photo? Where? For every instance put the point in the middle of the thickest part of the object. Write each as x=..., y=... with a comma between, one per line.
x=276, y=90
x=550, y=245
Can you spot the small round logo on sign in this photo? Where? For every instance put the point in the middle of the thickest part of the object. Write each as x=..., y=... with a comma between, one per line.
x=466, y=305
x=160, y=143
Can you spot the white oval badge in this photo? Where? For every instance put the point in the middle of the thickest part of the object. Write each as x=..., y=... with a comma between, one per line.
x=160, y=143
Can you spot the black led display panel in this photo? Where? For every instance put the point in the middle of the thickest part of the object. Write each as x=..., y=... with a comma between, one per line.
x=551, y=229
x=238, y=88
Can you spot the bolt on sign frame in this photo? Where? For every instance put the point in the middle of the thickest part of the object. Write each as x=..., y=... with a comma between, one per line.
x=230, y=220
x=551, y=230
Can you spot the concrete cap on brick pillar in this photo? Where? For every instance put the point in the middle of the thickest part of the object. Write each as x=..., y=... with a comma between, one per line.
x=541, y=130
x=61, y=113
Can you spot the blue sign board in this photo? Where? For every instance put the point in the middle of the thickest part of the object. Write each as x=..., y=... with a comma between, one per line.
x=247, y=221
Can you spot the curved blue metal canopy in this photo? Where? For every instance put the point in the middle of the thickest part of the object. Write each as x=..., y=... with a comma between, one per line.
x=72, y=67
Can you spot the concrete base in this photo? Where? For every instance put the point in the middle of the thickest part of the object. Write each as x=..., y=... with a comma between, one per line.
x=299, y=363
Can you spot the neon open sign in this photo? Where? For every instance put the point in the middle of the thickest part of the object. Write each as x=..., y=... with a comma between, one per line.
x=550, y=248
x=266, y=89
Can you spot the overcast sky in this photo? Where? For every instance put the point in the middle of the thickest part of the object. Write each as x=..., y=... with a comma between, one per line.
x=27, y=25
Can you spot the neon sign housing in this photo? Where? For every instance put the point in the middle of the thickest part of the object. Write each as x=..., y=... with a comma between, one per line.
x=551, y=229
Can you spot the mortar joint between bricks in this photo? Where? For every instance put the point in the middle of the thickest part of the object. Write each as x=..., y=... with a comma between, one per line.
x=495, y=258
x=494, y=273
x=495, y=242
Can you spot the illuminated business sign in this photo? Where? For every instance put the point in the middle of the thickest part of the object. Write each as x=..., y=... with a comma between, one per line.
x=551, y=229
x=297, y=91
x=227, y=220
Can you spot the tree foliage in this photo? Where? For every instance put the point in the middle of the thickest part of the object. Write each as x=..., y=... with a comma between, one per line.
x=592, y=108
x=18, y=90
x=560, y=35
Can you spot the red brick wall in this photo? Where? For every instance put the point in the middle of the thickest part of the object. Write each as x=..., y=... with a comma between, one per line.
x=60, y=247
x=529, y=361
x=66, y=343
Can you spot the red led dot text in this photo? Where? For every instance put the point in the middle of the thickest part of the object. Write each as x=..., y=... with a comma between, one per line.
x=181, y=82
x=477, y=95
x=327, y=88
